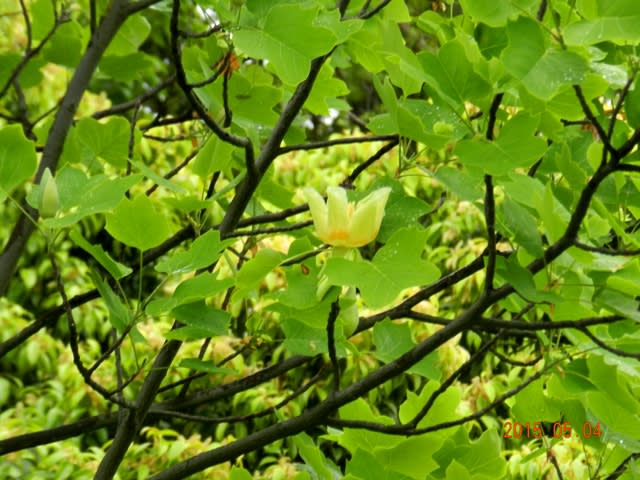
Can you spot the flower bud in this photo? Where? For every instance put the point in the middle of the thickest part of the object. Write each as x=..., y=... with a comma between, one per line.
x=49, y=200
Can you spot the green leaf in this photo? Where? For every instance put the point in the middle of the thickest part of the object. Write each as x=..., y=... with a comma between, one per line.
x=252, y=272
x=452, y=75
x=516, y=146
x=17, y=159
x=522, y=280
x=632, y=106
x=8, y=61
x=456, y=470
x=618, y=302
x=325, y=91
x=314, y=458
x=200, y=315
x=205, y=366
x=108, y=141
x=238, y=473
x=412, y=457
x=116, y=269
x=158, y=179
x=401, y=210
x=302, y=285
x=459, y=182
x=541, y=70
x=204, y=251
x=605, y=20
x=522, y=226
x=621, y=425
x=392, y=340
x=201, y=286
x=442, y=410
x=364, y=465
x=186, y=334
x=396, y=266
x=416, y=119
x=481, y=458
x=554, y=215
x=532, y=405
x=314, y=316
x=65, y=47
x=125, y=67
x=301, y=339
x=490, y=12
x=137, y=223
x=119, y=314
x=82, y=196
x=42, y=18
x=289, y=40
x=130, y=36
x=214, y=156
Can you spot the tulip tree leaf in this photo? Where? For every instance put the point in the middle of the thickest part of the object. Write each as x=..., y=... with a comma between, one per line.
x=396, y=266
x=108, y=141
x=517, y=146
x=252, y=272
x=481, y=457
x=88, y=196
x=17, y=159
x=541, y=70
x=400, y=211
x=43, y=18
x=206, y=366
x=116, y=269
x=452, y=75
x=214, y=156
x=119, y=314
x=190, y=290
x=290, y=39
x=522, y=225
x=325, y=92
x=137, y=223
x=203, y=252
x=200, y=315
x=392, y=340
x=605, y=20
x=301, y=339
x=130, y=36
x=492, y=13
x=200, y=320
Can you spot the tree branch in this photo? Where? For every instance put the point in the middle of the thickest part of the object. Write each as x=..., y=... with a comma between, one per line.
x=23, y=229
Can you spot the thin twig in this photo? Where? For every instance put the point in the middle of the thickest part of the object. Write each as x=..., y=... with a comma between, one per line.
x=607, y=347
x=337, y=141
x=348, y=182
x=607, y=251
x=375, y=10
x=123, y=107
x=331, y=343
x=73, y=339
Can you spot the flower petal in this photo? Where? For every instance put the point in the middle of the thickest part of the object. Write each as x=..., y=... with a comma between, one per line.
x=318, y=212
x=339, y=216
x=367, y=217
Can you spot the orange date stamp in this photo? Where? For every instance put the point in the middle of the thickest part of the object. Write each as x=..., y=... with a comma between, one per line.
x=559, y=430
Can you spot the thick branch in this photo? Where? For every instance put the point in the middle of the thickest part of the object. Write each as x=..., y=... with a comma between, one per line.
x=318, y=415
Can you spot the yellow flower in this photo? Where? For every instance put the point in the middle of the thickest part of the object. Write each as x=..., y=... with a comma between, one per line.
x=344, y=224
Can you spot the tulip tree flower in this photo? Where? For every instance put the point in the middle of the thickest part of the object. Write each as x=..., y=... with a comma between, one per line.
x=346, y=226
x=341, y=223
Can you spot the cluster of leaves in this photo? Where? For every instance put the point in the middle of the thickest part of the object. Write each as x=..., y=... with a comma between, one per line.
x=171, y=300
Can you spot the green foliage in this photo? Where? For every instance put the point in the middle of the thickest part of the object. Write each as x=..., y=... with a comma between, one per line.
x=177, y=275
